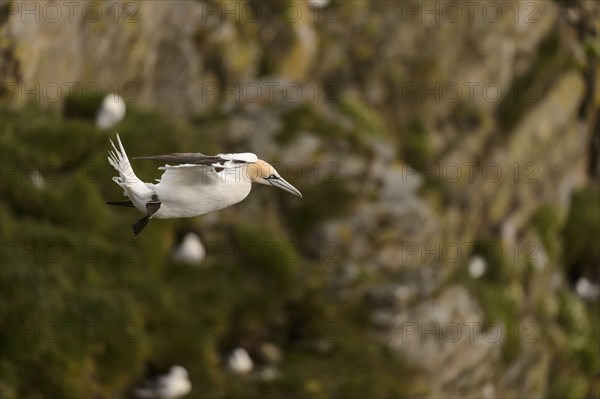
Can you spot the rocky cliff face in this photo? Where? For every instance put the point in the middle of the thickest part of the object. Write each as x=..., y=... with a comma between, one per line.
x=422, y=134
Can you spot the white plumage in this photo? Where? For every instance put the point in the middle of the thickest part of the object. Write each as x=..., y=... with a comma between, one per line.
x=170, y=386
x=239, y=361
x=111, y=112
x=191, y=250
x=37, y=179
x=477, y=266
x=586, y=289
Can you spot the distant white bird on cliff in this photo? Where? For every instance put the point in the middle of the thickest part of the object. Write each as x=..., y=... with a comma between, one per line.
x=37, y=179
x=477, y=266
x=196, y=185
x=239, y=361
x=191, y=250
x=111, y=112
x=586, y=289
x=170, y=386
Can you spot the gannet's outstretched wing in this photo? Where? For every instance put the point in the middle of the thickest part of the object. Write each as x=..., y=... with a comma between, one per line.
x=197, y=168
x=196, y=158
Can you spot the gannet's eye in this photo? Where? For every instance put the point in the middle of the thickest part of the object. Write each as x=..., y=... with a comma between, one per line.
x=272, y=177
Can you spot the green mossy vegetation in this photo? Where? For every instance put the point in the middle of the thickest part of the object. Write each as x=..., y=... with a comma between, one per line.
x=581, y=233
x=574, y=373
x=547, y=225
x=365, y=117
x=353, y=120
x=320, y=202
x=576, y=369
x=416, y=149
x=306, y=117
x=498, y=291
x=81, y=104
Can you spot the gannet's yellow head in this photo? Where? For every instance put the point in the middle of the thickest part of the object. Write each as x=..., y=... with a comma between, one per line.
x=262, y=172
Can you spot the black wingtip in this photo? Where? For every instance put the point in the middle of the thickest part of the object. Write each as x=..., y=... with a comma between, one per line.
x=138, y=226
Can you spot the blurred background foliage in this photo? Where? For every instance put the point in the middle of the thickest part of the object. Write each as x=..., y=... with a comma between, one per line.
x=331, y=280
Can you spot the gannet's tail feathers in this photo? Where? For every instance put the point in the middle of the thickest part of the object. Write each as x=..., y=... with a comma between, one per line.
x=140, y=194
x=137, y=191
x=118, y=159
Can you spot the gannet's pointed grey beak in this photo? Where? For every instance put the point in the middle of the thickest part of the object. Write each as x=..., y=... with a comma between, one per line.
x=281, y=183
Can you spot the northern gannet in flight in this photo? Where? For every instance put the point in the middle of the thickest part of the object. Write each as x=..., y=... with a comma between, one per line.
x=196, y=184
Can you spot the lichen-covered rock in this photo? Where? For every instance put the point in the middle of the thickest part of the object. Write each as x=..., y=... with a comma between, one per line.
x=436, y=335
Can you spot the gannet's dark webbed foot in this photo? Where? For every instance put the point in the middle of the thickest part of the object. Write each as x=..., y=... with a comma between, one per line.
x=139, y=226
x=151, y=207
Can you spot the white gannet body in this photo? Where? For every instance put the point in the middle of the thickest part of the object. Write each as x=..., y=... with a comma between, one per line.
x=195, y=185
